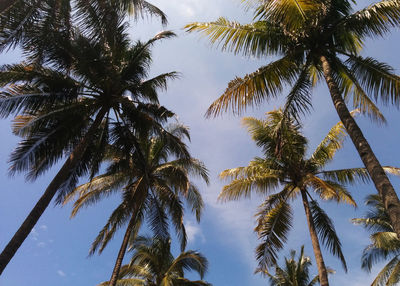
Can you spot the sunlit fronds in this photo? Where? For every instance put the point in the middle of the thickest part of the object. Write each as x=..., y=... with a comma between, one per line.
x=152, y=262
x=375, y=20
x=332, y=142
x=382, y=278
x=256, y=39
x=243, y=187
x=267, y=82
x=347, y=176
x=329, y=190
x=293, y=13
x=386, y=240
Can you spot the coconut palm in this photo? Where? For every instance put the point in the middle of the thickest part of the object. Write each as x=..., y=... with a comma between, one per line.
x=152, y=173
x=65, y=106
x=384, y=243
x=28, y=24
x=314, y=40
x=294, y=272
x=285, y=167
x=152, y=264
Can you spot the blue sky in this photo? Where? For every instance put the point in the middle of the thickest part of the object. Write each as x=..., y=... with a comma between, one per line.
x=56, y=251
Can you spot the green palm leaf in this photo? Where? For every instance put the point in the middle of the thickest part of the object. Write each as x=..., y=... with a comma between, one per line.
x=267, y=82
x=326, y=232
x=272, y=230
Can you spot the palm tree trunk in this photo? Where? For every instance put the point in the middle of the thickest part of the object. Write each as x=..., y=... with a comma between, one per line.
x=5, y=5
x=121, y=253
x=374, y=168
x=62, y=175
x=322, y=272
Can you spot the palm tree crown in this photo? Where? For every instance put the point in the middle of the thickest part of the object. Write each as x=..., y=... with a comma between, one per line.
x=66, y=105
x=152, y=264
x=294, y=271
x=152, y=174
x=28, y=24
x=384, y=243
x=315, y=40
x=285, y=167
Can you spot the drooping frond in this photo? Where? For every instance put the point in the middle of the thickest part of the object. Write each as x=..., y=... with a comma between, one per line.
x=242, y=187
x=351, y=87
x=330, y=190
x=347, y=176
x=332, y=142
x=375, y=20
x=378, y=79
x=326, y=232
x=256, y=39
x=389, y=275
x=267, y=82
x=292, y=13
x=272, y=230
x=298, y=101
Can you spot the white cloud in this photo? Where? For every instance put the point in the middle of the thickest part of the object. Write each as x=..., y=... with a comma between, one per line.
x=194, y=232
x=41, y=244
x=34, y=234
x=61, y=273
x=43, y=227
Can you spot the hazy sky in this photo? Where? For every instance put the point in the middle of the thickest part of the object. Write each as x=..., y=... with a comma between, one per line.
x=56, y=251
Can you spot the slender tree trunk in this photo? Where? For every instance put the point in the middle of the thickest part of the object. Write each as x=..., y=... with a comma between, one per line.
x=5, y=5
x=121, y=253
x=374, y=168
x=62, y=175
x=322, y=272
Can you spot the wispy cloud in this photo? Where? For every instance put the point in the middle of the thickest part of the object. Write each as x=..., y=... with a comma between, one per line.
x=34, y=234
x=41, y=244
x=194, y=232
x=61, y=273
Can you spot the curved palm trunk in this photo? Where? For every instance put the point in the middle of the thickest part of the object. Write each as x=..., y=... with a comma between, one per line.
x=322, y=272
x=121, y=253
x=374, y=168
x=37, y=211
x=5, y=5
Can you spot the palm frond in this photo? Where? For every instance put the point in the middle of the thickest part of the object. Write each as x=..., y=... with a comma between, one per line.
x=267, y=82
x=378, y=79
x=326, y=232
x=272, y=230
x=256, y=39
x=375, y=20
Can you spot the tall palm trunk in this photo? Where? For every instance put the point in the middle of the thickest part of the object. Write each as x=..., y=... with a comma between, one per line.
x=5, y=5
x=37, y=211
x=121, y=253
x=322, y=271
x=374, y=168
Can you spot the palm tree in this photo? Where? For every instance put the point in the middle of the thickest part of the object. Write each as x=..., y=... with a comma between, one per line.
x=384, y=243
x=313, y=41
x=28, y=24
x=66, y=106
x=152, y=172
x=284, y=166
x=152, y=264
x=294, y=272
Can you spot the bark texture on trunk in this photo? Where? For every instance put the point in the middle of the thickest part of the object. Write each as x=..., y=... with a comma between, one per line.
x=121, y=253
x=322, y=272
x=22, y=233
x=371, y=163
x=5, y=5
